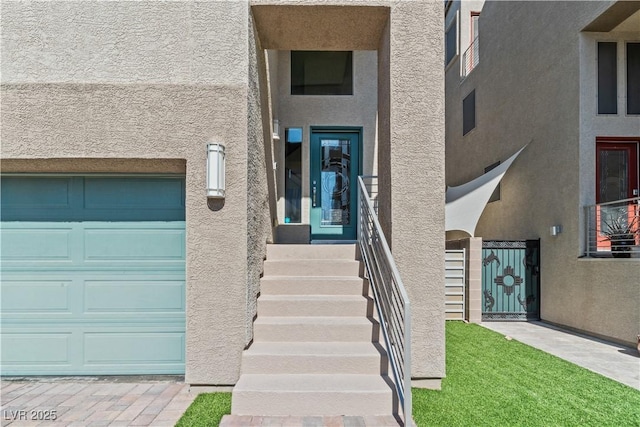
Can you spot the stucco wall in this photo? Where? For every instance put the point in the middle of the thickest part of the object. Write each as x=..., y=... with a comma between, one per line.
x=416, y=129
x=92, y=41
x=384, y=134
x=145, y=80
x=259, y=174
x=528, y=90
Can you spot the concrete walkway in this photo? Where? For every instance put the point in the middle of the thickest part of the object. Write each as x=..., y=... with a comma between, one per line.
x=612, y=360
x=89, y=402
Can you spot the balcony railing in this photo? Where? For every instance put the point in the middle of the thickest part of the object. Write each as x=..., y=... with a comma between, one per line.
x=613, y=229
x=391, y=300
x=470, y=58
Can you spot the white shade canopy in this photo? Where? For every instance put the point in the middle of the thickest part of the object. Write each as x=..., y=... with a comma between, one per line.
x=465, y=203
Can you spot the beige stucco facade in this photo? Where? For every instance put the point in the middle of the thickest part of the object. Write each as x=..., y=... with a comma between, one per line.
x=539, y=88
x=142, y=87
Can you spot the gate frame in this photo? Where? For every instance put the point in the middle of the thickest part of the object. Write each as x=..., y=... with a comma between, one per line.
x=512, y=244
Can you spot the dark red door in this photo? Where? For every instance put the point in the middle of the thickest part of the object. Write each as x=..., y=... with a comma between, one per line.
x=616, y=169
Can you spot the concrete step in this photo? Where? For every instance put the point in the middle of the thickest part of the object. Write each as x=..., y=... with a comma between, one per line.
x=311, y=267
x=314, y=305
x=282, y=252
x=314, y=358
x=291, y=285
x=315, y=329
x=301, y=395
x=330, y=420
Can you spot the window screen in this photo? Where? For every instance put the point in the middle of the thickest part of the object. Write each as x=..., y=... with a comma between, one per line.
x=469, y=113
x=321, y=73
x=607, y=78
x=633, y=78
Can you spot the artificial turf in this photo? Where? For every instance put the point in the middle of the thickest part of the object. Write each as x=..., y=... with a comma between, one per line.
x=206, y=410
x=492, y=381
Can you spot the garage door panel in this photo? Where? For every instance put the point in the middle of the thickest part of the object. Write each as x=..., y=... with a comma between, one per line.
x=133, y=348
x=96, y=350
x=133, y=193
x=160, y=242
x=35, y=198
x=93, y=297
x=122, y=296
x=134, y=199
x=31, y=297
x=26, y=242
x=31, y=347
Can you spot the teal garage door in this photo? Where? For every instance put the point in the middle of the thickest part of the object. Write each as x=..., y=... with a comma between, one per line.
x=93, y=275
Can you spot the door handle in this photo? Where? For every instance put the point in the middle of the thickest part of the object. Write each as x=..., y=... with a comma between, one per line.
x=313, y=195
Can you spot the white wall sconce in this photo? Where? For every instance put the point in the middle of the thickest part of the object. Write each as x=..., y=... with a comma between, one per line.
x=276, y=129
x=556, y=229
x=215, y=171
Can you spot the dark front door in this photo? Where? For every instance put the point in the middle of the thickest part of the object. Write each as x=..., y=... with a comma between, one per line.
x=335, y=164
x=616, y=179
x=616, y=170
x=511, y=280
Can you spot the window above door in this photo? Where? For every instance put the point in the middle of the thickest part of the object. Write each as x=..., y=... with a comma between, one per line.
x=321, y=72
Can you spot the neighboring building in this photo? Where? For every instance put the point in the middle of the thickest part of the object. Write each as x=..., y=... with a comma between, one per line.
x=113, y=259
x=564, y=78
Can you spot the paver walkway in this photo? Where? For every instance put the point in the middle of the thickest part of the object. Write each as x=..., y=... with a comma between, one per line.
x=89, y=402
x=612, y=360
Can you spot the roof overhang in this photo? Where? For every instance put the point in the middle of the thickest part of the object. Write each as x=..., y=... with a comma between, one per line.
x=320, y=27
x=613, y=16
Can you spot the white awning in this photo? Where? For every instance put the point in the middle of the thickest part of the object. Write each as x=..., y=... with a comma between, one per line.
x=465, y=203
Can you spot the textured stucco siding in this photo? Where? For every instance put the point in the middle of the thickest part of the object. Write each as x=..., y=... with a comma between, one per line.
x=145, y=80
x=124, y=42
x=259, y=174
x=384, y=134
x=417, y=173
x=530, y=89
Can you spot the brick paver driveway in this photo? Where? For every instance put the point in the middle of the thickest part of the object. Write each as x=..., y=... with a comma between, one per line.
x=91, y=402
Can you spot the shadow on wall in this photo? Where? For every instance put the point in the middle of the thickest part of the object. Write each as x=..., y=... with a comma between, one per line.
x=215, y=204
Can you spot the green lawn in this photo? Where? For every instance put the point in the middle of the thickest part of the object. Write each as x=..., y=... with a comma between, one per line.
x=494, y=382
x=206, y=410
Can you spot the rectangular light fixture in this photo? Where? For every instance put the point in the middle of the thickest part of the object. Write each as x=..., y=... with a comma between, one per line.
x=215, y=171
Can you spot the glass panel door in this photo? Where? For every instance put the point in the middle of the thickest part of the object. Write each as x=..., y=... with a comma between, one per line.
x=334, y=173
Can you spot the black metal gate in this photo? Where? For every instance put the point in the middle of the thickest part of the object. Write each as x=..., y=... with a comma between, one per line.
x=511, y=279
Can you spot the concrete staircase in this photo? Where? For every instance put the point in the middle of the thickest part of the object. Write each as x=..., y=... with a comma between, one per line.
x=315, y=350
